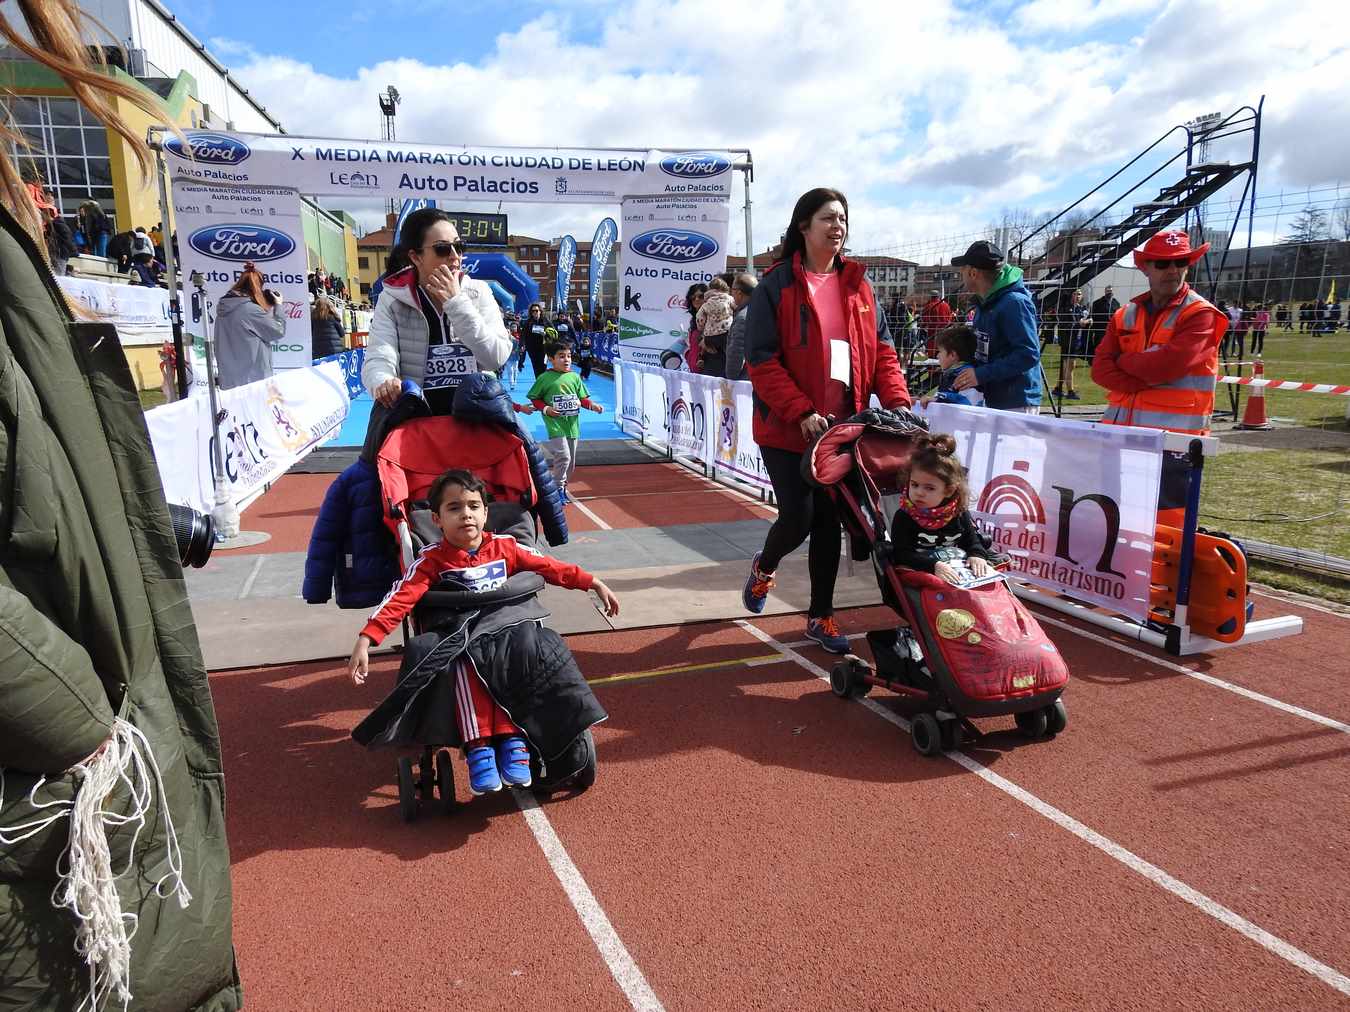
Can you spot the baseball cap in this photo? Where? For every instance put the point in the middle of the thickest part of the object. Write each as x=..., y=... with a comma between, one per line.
x=983, y=255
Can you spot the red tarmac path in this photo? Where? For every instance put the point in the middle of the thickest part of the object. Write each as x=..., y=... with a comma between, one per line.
x=754, y=842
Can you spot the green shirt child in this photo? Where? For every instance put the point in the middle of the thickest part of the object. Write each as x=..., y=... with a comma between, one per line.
x=560, y=394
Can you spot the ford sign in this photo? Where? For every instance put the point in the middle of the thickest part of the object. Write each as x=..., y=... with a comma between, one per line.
x=694, y=166
x=205, y=147
x=241, y=242
x=674, y=245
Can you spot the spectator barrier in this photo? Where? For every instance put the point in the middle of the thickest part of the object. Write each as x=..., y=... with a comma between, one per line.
x=1074, y=503
x=264, y=428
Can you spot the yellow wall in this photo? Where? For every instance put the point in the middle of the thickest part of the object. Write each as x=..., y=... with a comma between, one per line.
x=376, y=255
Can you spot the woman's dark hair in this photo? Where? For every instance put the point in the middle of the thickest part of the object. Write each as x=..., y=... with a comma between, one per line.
x=412, y=236
x=697, y=288
x=807, y=205
x=466, y=480
x=934, y=453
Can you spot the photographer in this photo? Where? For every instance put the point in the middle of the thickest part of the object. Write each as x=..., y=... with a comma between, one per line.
x=248, y=320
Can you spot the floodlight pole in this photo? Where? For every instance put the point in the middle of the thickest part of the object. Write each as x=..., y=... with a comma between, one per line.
x=748, y=170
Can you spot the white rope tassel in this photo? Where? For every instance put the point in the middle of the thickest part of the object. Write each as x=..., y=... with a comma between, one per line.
x=87, y=881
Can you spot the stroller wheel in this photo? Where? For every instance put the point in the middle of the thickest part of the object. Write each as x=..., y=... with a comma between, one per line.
x=952, y=736
x=1056, y=718
x=1032, y=723
x=407, y=790
x=445, y=781
x=585, y=778
x=841, y=679
x=926, y=734
x=857, y=669
x=426, y=777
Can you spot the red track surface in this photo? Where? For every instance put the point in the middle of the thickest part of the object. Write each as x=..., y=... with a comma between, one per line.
x=758, y=843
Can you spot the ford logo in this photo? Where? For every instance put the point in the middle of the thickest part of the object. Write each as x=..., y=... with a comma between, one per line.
x=674, y=245
x=694, y=166
x=241, y=242
x=206, y=147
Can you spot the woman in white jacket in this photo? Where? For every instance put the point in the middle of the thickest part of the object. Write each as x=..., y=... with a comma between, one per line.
x=434, y=324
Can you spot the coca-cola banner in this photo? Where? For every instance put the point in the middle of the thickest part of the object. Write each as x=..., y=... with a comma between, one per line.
x=220, y=228
x=1074, y=503
x=666, y=245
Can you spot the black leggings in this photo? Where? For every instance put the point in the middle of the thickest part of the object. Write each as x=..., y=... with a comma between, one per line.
x=802, y=511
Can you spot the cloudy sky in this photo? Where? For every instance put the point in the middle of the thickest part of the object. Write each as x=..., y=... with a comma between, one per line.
x=933, y=118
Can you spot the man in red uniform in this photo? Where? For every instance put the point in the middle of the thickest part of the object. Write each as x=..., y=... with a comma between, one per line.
x=1159, y=358
x=934, y=317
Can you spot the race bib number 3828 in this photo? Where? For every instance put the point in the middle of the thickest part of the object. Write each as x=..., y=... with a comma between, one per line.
x=447, y=365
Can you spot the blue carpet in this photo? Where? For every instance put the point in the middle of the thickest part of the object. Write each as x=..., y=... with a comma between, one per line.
x=593, y=426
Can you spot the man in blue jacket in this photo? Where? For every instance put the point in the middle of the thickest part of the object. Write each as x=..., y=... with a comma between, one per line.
x=1007, y=353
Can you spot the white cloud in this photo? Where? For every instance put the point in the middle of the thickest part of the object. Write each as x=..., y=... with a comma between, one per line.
x=930, y=124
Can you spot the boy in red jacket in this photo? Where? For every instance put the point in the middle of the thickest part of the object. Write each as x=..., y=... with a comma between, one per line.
x=476, y=560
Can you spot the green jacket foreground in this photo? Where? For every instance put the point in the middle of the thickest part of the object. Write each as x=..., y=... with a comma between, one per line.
x=95, y=624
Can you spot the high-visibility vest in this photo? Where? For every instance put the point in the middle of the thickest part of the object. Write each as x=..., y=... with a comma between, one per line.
x=1184, y=404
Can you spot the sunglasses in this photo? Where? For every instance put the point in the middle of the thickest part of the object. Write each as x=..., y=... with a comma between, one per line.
x=1162, y=265
x=444, y=249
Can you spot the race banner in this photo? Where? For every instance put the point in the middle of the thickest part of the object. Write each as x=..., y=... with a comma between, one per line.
x=567, y=262
x=220, y=228
x=702, y=417
x=602, y=244
x=265, y=428
x=140, y=314
x=1074, y=503
x=409, y=206
x=326, y=167
x=668, y=244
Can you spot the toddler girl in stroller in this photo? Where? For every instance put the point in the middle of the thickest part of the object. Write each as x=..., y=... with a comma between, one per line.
x=966, y=646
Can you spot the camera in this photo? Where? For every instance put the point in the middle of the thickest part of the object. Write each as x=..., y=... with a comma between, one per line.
x=195, y=533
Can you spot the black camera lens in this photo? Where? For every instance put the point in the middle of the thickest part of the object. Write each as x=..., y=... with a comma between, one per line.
x=195, y=534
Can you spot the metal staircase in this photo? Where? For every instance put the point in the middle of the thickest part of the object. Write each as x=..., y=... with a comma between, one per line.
x=1181, y=202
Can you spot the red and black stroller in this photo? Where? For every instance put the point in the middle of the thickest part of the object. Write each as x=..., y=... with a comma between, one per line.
x=982, y=653
x=507, y=622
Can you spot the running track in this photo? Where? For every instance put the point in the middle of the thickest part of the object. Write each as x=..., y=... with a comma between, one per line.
x=753, y=842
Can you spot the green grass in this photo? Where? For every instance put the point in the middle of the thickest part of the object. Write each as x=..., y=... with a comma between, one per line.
x=151, y=398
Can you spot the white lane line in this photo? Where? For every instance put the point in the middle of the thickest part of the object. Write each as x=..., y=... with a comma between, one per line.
x=615, y=954
x=247, y=588
x=595, y=519
x=1181, y=669
x=1292, y=954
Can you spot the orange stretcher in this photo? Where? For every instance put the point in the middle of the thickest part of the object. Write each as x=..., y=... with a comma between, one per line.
x=1218, y=606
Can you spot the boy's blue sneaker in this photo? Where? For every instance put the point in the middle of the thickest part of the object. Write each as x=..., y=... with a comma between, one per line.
x=483, y=775
x=825, y=631
x=513, y=762
x=757, y=587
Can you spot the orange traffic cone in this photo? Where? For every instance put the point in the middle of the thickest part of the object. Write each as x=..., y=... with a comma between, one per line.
x=1254, y=415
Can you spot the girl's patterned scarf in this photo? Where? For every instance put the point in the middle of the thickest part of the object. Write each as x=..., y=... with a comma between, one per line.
x=931, y=518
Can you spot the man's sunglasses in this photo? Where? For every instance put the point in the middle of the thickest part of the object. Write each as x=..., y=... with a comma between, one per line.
x=1162, y=265
x=444, y=249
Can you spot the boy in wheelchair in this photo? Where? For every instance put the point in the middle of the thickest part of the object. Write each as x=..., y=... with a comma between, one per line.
x=476, y=560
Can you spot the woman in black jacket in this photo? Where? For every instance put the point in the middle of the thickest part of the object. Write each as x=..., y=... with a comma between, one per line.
x=325, y=329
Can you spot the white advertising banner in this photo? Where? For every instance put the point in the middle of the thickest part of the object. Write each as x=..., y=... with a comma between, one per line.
x=701, y=417
x=140, y=314
x=1074, y=503
x=329, y=167
x=667, y=244
x=220, y=228
x=266, y=427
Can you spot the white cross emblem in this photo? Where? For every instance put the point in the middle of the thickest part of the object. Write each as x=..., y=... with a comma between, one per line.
x=1174, y=238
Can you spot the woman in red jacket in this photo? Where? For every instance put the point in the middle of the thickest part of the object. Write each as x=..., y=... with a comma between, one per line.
x=818, y=347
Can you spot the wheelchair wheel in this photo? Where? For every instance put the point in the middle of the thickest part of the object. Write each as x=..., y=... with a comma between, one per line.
x=585, y=778
x=426, y=777
x=445, y=781
x=952, y=736
x=407, y=790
